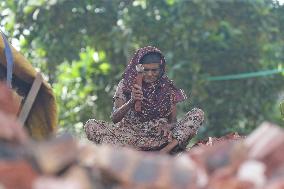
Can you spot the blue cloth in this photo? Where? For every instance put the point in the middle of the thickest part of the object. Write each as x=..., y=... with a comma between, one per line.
x=9, y=59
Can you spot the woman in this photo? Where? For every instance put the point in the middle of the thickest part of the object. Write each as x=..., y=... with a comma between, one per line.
x=154, y=127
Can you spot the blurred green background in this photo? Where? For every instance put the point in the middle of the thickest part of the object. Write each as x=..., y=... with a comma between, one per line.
x=82, y=48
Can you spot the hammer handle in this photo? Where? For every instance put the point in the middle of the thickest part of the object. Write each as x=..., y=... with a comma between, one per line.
x=138, y=82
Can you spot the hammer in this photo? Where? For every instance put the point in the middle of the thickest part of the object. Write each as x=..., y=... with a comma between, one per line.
x=139, y=69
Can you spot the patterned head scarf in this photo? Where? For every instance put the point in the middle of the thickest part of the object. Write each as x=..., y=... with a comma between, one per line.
x=158, y=96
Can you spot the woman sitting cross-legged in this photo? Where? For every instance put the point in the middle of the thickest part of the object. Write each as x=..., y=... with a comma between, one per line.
x=154, y=127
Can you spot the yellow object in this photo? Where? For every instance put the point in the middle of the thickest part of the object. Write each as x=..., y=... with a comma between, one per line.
x=42, y=119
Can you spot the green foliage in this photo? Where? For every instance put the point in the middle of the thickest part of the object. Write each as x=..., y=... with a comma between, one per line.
x=80, y=88
x=88, y=44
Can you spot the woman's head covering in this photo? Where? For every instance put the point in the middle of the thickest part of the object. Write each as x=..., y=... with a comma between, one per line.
x=152, y=57
x=130, y=72
x=158, y=96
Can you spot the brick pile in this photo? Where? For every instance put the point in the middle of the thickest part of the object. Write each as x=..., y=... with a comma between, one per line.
x=229, y=162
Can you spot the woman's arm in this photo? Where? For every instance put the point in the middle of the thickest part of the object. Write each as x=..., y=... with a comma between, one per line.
x=121, y=108
x=173, y=116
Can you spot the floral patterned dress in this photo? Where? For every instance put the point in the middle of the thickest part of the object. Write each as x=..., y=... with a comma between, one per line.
x=141, y=134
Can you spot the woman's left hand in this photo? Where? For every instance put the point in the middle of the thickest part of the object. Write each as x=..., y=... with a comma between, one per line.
x=165, y=130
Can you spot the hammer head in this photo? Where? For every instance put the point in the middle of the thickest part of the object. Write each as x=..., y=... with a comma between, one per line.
x=139, y=68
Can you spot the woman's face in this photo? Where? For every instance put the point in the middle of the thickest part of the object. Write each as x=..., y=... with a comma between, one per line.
x=151, y=72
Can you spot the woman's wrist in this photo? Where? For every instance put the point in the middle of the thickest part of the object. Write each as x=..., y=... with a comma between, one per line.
x=171, y=126
x=131, y=101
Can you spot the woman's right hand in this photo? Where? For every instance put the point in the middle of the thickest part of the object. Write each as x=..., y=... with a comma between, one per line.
x=136, y=93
